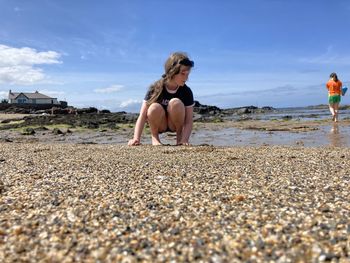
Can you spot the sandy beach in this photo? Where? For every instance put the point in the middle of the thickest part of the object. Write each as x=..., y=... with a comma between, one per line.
x=112, y=203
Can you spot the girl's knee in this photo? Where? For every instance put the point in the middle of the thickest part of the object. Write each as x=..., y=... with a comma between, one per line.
x=176, y=112
x=176, y=105
x=176, y=102
x=155, y=109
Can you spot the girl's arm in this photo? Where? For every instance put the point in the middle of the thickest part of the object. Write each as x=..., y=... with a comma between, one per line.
x=140, y=124
x=187, y=129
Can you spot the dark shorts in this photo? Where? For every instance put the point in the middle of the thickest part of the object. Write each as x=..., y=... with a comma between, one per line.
x=334, y=99
x=167, y=130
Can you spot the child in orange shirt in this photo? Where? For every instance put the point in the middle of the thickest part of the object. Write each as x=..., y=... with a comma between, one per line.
x=334, y=86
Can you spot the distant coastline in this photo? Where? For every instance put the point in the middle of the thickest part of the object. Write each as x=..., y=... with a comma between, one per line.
x=202, y=108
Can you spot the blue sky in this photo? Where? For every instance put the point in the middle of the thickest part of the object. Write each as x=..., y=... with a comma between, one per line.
x=106, y=53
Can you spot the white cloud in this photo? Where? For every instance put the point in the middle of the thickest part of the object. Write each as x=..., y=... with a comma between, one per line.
x=53, y=93
x=111, y=89
x=129, y=103
x=4, y=94
x=17, y=65
x=330, y=57
x=10, y=56
x=21, y=75
x=327, y=59
x=113, y=105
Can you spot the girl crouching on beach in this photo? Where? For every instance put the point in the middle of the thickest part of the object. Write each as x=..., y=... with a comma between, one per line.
x=334, y=86
x=168, y=104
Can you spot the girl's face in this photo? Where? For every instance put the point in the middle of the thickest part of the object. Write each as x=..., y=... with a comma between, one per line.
x=182, y=76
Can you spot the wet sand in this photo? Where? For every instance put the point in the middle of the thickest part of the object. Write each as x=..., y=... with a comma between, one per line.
x=112, y=203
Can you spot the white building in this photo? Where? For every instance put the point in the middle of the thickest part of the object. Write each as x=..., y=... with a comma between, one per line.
x=31, y=98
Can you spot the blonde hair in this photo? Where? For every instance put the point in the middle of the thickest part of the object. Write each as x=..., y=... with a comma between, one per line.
x=171, y=67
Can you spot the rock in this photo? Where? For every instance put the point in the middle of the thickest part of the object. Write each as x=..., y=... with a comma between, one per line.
x=57, y=131
x=205, y=109
x=2, y=187
x=87, y=110
x=28, y=131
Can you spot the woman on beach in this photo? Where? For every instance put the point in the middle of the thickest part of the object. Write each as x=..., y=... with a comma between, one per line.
x=168, y=104
x=334, y=86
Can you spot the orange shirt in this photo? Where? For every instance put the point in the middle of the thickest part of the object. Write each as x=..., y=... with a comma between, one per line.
x=334, y=88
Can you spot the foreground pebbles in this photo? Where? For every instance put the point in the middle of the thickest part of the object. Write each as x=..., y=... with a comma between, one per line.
x=108, y=203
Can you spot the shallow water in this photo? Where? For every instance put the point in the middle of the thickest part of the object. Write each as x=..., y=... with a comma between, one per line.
x=327, y=135
x=301, y=113
x=335, y=134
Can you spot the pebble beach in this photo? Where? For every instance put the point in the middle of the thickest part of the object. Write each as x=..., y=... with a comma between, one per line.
x=113, y=203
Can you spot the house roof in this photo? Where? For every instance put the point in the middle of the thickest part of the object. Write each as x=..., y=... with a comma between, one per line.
x=34, y=95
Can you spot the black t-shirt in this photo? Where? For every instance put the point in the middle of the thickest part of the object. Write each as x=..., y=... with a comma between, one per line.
x=184, y=93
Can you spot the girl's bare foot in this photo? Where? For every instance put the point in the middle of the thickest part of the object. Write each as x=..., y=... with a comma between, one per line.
x=183, y=144
x=156, y=142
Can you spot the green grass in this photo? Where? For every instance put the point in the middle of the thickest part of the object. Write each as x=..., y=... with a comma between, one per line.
x=11, y=123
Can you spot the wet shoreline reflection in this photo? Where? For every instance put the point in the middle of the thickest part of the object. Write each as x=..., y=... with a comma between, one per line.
x=335, y=137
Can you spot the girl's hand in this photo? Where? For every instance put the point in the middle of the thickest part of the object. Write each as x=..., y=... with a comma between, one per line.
x=134, y=142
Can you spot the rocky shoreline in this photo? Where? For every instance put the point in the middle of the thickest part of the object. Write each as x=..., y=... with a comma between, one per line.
x=91, y=118
x=212, y=125
x=108, y=203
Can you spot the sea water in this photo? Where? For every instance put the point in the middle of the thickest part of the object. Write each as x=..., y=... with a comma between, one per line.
x=327, y=134
x=302, y=113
